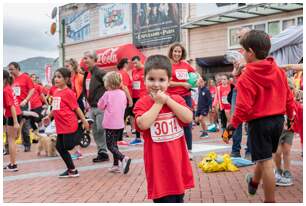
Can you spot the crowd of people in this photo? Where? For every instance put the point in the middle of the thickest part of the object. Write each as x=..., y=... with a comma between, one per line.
x=155, y=98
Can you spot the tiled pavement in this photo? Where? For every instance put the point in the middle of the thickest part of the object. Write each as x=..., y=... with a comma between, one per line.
x=36, y=181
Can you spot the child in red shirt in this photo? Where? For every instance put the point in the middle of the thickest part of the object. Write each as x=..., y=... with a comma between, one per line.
x=160, y=118
x=263, y=97
x=12, y=113
x=65, y=110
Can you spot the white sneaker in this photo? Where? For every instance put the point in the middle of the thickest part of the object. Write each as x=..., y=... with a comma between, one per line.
x=126, y=164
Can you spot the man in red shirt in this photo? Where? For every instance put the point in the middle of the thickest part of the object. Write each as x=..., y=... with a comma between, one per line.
x=23, y=88
x=138, y=89
x=262, y=105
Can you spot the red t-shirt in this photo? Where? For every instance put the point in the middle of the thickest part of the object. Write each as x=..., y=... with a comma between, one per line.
x=21, y=86
x=167, y=166
x=180, y=74
x=126, y=80
x=64, y=105
x=45, y=90
x=212, y=90
x=52, y=90
x=138, y=86
x=35, y=101
x=221, y=97
x=10, y=99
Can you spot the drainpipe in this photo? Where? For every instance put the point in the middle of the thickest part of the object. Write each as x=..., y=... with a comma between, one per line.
x=62, y=43
x=187, y=30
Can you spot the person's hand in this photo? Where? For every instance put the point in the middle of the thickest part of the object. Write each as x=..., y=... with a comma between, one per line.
x=86, y=125
x=187, y=85
x=228, y=133
x=46, y=120
x=238, y=66
x=16, y=125
x=130, y=103
x=200, y=82
x=23, y=103
x=160, y=97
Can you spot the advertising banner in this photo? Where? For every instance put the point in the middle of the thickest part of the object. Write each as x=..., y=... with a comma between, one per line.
x=114, y=19
x=155, y=24
x=48, y=73
x=77, y=27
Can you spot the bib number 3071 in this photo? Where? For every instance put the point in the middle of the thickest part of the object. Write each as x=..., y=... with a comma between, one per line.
x=166, y=128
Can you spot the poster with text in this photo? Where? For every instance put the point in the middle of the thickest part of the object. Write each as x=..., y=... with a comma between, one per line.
x=77, y=27
x=114, y=19
x=155, y=24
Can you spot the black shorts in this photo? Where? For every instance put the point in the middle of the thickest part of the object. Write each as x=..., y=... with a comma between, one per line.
x=264, y=136
x=72, y=139
x=128, y=112
x=10, y=121
x=134, y=102
x=203, y=112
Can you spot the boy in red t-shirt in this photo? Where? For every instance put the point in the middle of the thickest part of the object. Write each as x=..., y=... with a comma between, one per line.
x=263, y=97
x=160, y=118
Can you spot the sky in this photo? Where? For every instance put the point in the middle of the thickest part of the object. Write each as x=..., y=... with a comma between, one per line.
x=26, y=31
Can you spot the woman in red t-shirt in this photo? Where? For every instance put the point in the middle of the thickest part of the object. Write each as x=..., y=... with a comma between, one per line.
x=12, y=113
x=66, y=111
x=179, y=85
x=212, y=88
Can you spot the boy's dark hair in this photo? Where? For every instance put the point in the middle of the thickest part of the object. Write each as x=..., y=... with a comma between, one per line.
x=158, y=62
x=122, y=62
x=66, y=75
x=177, y=45
x=7, y=77
x=258, y=41
x=135, y=58
x=15, y=64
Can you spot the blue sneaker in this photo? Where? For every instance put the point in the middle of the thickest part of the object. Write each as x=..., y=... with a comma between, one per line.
x=212, y=128
x=74, y=156
x=136, y=142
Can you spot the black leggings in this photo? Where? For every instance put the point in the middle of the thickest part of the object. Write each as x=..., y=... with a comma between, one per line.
x=112, y=136
x=170, y=199
x=65, y=142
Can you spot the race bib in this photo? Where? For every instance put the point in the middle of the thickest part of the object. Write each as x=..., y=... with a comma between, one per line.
x=166, y=128
x=87, y=84
x=56, y=103
x=181, y=74
x=224, y=100
x=17, y=91
x=136, y=85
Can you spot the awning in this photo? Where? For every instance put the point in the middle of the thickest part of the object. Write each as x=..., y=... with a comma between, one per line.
x=212, y=61
x=108, y=58
x=242, y=13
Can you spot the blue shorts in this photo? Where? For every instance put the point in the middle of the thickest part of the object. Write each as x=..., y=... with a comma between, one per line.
x=203, y=112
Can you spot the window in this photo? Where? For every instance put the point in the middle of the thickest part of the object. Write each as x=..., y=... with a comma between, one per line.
x=261, y=27
x=288, y=23
x=233, y=33
x=273, y=27
x=300, y=20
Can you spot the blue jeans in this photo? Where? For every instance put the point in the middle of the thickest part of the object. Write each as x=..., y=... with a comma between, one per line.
x=237, y=136
x=187, y=129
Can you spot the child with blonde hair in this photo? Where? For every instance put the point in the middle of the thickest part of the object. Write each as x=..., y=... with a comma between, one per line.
x=113, y=103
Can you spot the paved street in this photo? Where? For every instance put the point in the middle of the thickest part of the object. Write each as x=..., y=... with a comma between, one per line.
x=37, y=181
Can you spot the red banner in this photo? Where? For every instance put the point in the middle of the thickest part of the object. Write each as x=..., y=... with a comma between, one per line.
x=48, y=73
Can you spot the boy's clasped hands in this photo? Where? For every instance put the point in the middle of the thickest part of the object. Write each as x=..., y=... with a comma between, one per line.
x=159, y=97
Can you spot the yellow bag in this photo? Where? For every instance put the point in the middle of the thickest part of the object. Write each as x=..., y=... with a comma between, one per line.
x=209, y=163
x=19, y=139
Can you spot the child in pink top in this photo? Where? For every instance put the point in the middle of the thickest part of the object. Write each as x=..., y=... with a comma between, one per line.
x=113, y=103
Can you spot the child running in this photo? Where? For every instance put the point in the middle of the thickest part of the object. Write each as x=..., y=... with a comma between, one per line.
x=263, y=97
x=12, y=113
x=161, y=118
x=113, y=103
x=65, y=110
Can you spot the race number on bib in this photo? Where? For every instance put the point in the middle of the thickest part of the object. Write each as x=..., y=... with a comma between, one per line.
x=136, y=84
x=166, y=128
x=87, y=84
x=224, y=100
x=56, y=103
x=181, y=74
x=16, y=91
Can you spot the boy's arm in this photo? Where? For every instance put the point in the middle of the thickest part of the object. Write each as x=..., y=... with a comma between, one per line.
x=244, y=102
x=145, y=121
x=183, y=113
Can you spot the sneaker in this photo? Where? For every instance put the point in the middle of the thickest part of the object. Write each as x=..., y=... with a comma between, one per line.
x=11, y=168
x=190, y=155
x=248, y=156
x=122, y=143
x=69, y=173
x=6, y=152
x=286, y=179
x=204, y=134
x=27, y=148
x=278, y=176
x=251, y=189
x=133, y=131
x=126, y=165
x=235, y=155
x=101, y=158
x=74, y=156
x=115, y=169
x=79, y=154
x=136, y=142
x=212, y=128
